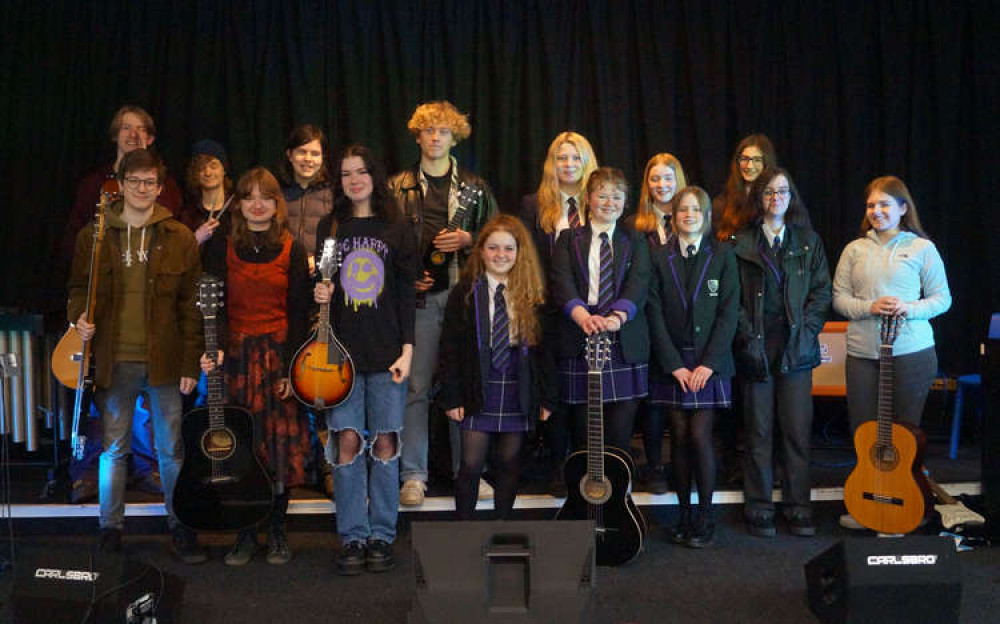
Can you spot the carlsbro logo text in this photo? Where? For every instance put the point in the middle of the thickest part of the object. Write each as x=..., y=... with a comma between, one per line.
x=882, y=560
x=67, y=575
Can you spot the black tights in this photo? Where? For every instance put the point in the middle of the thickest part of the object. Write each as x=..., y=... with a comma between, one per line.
x=653, y=425
x=505, y=465
x=691, y=442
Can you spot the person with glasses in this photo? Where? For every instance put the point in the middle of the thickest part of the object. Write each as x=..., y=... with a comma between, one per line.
x=730, y=207
x=785, y=296
x=693, y=310
x=427, y=194
x=268, y=301
x=131, y=128
x=558, y=204
x=146, y=333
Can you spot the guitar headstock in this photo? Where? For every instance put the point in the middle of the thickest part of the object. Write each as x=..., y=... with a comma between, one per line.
x=468, y=195
x=598, y=351
x=328, y=261
x=890, y=327
x=209, y=295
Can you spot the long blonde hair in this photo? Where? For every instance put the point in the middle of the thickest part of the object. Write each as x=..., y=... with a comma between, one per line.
x=525, y=289
x=549, y=200
x=645, y=217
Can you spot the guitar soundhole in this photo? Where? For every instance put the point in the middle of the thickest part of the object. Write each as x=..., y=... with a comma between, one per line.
x=438, y=258
x=218, y=444
x=884, y=458
x=595, y=492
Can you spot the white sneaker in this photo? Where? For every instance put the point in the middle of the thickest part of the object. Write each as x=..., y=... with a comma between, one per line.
x=412, y=493
x=485, y=490
x=847, y=521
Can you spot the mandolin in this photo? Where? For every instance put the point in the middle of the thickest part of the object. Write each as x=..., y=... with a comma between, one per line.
x=222, y=485
x=599, y=480
x=887, y=491
x=322, y=372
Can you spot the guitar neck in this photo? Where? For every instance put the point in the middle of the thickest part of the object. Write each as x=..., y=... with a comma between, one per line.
x=216, y=382
x=886, y=374
x=458, y=219
x=323, y=328
x=595, y=426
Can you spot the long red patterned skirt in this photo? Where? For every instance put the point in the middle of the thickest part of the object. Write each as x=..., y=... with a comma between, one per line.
x=254, y=365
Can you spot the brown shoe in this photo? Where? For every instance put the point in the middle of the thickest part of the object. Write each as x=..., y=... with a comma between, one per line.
x=412, y=493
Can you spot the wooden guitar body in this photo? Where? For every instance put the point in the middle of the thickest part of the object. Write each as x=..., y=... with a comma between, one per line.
x=222, y=485
x=322, y=373
x=887, y=490
x=621, y=529
x=66, y=358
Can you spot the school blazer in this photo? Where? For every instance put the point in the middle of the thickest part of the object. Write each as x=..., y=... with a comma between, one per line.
x=466, y=357
x=570, y=280
x=716, y=308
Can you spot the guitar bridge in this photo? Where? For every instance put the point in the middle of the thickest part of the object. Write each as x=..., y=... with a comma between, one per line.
x=885, y=500
x=221, y=480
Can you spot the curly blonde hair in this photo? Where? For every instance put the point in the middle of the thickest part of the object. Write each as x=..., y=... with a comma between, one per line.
x=525, y=289
x=440, y=114
x=549, y=200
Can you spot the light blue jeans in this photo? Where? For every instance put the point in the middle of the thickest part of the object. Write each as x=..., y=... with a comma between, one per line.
x=367, y=487
x=117, y=405
x=416, y=424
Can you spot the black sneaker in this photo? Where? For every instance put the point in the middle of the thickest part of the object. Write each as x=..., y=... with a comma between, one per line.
x=351, y=559
x=243, y=550
x=801, y=525
x=184, y=543
x=761, y=525
x=378, y=556
x=109, y=541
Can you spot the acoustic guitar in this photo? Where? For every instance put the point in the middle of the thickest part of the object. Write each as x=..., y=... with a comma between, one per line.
x=435, y=261
x=887, y=491
x=222, y=485
x=71, y=357
x=599, y=480
x=322, y=372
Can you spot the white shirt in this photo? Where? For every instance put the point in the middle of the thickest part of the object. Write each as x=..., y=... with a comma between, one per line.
x=563, y=222
x=660, y=229
x=594, y=259
x=684, y=242
x=769, y=234
x=491, y=288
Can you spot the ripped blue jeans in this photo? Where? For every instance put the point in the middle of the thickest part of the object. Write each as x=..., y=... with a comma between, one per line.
x=367, y=488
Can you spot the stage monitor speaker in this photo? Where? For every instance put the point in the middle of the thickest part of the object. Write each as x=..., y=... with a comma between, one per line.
x=991, y=429
x=491, y=572
x=905, y=579
x=53, y=585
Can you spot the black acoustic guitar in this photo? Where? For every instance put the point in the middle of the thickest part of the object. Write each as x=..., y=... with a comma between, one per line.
x=599, y=480
x=436, y=262
x=222, y=485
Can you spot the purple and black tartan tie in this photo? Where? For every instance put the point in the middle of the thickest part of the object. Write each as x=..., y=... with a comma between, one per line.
x=500, y=334
x=573, y=213
x=605, y=291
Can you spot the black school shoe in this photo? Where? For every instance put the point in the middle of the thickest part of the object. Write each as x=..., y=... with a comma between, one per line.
x=801, y=525
x=351, y=559
x=703, y=533
x=761, y=525
x=678, y=534
x=378, y=556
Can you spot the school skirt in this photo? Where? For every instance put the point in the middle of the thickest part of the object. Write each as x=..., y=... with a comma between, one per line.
x=621, y=381
x=717, y=392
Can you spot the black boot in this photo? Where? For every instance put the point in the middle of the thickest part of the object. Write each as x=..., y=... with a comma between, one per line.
x=278, y=552
x=703, y=533
x=679, y=532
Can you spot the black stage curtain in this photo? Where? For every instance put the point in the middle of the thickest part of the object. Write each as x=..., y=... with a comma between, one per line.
x=846, y=90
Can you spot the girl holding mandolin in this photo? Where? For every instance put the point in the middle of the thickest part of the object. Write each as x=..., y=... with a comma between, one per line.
x=372, y=309
x=266, y=276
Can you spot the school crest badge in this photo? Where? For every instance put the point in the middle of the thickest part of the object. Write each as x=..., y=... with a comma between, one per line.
x=713, y=287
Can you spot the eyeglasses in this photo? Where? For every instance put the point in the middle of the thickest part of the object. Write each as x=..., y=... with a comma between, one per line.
x=136, y=184
x=746, y=160
x=782, y=193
